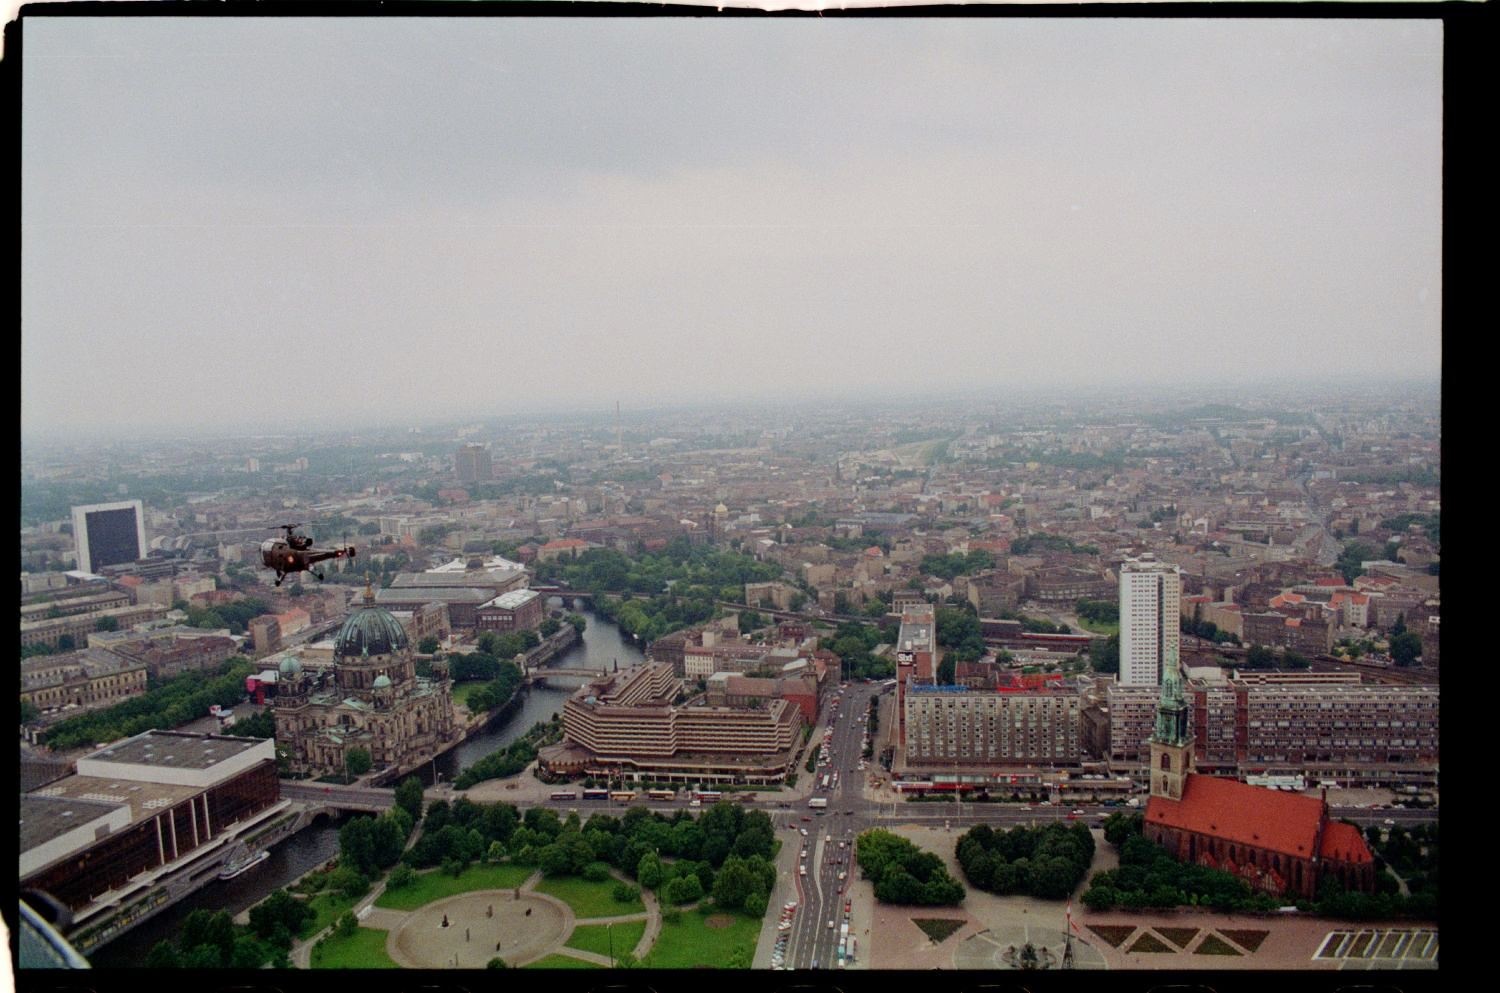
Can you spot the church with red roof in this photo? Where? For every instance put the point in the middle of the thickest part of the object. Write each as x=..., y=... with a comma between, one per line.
x=1280, y=843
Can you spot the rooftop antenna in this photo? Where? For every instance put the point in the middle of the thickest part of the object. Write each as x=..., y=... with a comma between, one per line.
x=619, y=442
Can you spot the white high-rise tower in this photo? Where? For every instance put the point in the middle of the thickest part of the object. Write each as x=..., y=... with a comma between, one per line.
x=1150, y=615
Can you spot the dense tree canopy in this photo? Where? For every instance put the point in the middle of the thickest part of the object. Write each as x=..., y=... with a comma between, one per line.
x=1045, y=862
x=904, y=873
x=175, y=701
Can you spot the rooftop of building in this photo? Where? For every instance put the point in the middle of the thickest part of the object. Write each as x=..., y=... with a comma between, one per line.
x=1276, y=821
x=51, y=812
x=454, y=580
x=513, y=599
x=174, y=749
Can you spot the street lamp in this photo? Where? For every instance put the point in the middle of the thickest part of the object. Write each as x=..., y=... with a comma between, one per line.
x=609, y=931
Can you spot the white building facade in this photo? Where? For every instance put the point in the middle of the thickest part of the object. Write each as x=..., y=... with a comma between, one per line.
x=1150, y=608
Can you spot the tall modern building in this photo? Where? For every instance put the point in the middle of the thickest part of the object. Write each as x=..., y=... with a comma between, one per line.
x=473, y=465
x=109, y=534
x=1150, y=615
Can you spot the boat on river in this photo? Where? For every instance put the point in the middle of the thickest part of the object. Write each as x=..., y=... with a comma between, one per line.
x=242, y=866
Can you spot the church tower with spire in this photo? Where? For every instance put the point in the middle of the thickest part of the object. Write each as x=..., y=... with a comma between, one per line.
x=1171, y=748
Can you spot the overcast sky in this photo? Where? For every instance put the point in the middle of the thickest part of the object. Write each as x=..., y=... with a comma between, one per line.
x=235, y=220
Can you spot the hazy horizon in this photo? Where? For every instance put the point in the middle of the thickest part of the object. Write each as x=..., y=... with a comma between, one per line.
x=256, y=223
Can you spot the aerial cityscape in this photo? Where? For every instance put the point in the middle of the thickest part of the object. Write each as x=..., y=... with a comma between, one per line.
x=495, y=496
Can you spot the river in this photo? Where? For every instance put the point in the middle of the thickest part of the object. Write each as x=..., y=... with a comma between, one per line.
x=599, y=648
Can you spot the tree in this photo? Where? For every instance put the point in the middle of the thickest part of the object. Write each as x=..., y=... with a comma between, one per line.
x=649, y=872
x=1260, y=657
x=357, y=761
x=429, y=645
x=163, y=955
x=409, y=797
x=107, y=624
x=1107, y=658
x=280, y=911
x=1406, y=647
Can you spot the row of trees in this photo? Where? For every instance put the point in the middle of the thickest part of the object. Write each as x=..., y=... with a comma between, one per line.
x=235, y=616
x=498, y=691
x=1149, y=877
x=1045, y=862
x=959, y=635
x=725, y=852
x=514, y=757
x=1098, y=611
x=209, y=940
x=854, y=643
x=660, y=615
x=903, y=873
x=175, y=701
x=955, y=564
x=1041, y=542
x=695, y=571
x=1199, y=628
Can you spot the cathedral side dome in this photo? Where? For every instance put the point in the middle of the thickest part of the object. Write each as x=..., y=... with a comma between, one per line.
x=290, y=666
x=370, y=630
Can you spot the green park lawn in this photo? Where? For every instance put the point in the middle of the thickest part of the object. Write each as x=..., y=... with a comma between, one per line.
x=561, y=962
x=364, y=949
x=435, y=885
x=462, y=691
x=1105, y=628
x=596, y=938
x=328, y=907
x=698, y=941
x=589, y=899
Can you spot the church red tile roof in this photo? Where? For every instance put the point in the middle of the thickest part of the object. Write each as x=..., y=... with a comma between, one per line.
x=1343, y=843
x=1242, y=814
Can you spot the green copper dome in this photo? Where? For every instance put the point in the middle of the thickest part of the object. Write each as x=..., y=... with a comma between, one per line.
x=290, y=666
x=370, y=630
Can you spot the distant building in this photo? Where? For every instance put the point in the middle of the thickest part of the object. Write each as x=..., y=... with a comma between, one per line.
x=1150, y=612
x=84, y=679
x=172, y=652
x=51, y=631
x=518, y=610
x=109, y=534
x=473, y=464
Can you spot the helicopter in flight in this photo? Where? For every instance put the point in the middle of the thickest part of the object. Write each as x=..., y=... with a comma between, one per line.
x=295, y=553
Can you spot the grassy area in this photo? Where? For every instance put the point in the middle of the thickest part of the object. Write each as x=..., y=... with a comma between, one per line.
x=589, y=899
x=1149, y=942
x=462, y=691
x=1105, y=628
x=435, y=885
x=1115, y=934
x=328, y=907
x=364, y=949
x=937, y=928
x=1179, y=936
x=562, y=962
x=1214, y=945
x=705, y=939
x=1249, y=938
x=597, y=938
